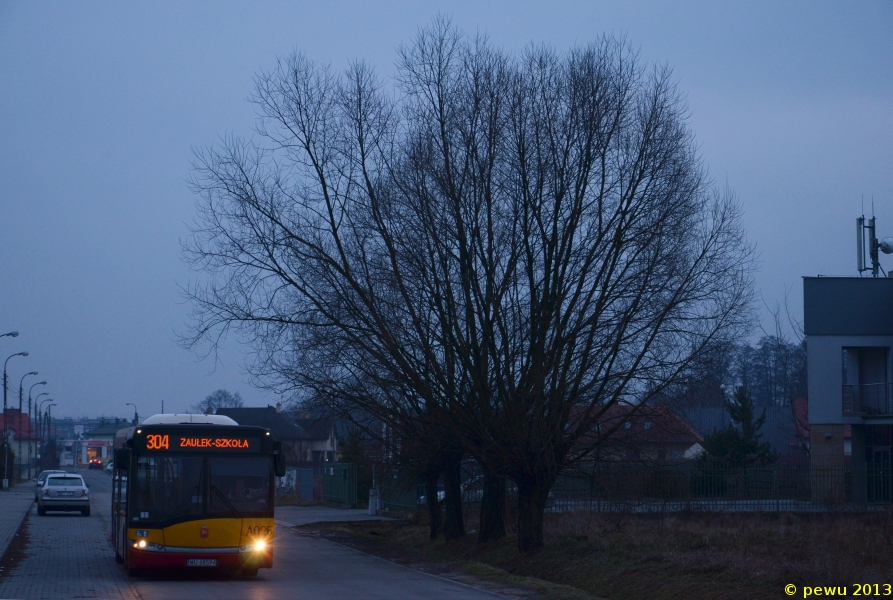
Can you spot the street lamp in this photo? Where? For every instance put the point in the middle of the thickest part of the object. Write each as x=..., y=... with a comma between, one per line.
x=20, y=432
x=50, y=418
x=31, y=424
x=40, y=421
x=136, y=417
x=11, y=334
x=5, y=422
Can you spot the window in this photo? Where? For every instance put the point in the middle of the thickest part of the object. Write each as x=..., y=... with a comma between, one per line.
x=864, y=365
x=240, y=485
x=63, y=481
x=168, y=487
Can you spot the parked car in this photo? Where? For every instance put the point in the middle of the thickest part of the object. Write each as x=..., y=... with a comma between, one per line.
x=40, y=479
x=95, y=463
x=110, y=467
x=66, y=492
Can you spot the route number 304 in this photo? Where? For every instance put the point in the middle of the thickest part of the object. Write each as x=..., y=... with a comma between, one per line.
x=158, y=442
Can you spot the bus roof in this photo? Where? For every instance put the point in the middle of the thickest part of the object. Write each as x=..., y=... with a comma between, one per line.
x=188, y=419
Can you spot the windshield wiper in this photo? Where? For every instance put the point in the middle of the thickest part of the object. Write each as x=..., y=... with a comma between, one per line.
x=186, y=499
x=214, y=488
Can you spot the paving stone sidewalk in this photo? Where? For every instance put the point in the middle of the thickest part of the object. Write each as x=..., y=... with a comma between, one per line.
x=69, y=556
x=14, y=505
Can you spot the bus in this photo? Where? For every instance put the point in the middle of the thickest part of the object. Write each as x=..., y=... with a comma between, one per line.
x=194, y=491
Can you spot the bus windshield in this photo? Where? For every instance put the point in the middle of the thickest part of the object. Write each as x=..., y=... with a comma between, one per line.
x=181, y=487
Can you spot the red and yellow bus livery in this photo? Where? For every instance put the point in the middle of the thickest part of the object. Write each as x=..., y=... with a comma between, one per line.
x=194, y=491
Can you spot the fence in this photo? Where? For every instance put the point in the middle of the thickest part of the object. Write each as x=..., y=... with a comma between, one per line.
x=339, y=484
x=638, y=487
x=649, y=488
x=298, y=481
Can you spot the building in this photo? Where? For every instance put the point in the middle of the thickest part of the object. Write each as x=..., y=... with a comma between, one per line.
x=848, y=322
x=651, y=433
x=23, y=442
x=97, y=442
x=303, y=440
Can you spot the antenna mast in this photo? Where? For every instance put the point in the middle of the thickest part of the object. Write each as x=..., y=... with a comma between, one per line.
x=885, y=246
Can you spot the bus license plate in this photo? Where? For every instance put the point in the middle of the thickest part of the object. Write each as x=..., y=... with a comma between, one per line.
x=201, y=562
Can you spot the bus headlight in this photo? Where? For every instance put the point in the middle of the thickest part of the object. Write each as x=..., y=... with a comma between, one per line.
x=255, y=546
x=144, y=545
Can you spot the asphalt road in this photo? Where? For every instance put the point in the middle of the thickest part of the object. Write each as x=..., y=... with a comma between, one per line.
x=68, y=556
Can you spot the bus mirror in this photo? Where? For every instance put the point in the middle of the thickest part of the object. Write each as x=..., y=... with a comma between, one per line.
x=122, y=459
x=278, y=460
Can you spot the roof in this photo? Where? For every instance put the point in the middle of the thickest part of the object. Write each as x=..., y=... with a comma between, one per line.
x=650, y=425
x=18, y=422
x=282, y=425
x=187, y=418
x=107, y=429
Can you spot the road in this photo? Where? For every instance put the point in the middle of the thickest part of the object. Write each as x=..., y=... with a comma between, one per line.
x=69, y=556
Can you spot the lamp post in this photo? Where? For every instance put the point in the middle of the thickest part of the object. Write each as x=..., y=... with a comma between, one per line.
x=136, y=416
x=37, y=408
x=20, y=431
x=31, y=424
x=50, y=429
x=40, y=419
x=11, y=334
x=5, y=422
x=39, y=411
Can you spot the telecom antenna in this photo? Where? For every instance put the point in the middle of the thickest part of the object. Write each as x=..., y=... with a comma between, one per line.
x=872, y=243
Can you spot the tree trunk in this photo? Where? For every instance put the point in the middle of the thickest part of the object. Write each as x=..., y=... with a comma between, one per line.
x=531, y=506
x=453, y=526
x=434, y=516
x=492, y=526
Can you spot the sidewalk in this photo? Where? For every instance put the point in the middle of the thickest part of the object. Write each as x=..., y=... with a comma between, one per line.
x=14, y=505
x=294, y=516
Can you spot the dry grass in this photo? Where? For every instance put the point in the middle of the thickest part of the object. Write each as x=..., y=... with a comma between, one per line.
x=688, y=555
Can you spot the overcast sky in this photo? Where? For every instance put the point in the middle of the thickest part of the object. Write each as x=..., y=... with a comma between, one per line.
x=101, y=105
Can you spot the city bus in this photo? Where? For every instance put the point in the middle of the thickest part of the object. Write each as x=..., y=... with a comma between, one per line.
x=194, y=491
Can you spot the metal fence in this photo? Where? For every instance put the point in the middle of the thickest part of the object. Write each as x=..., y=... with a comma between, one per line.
x=649, y=488
x=868, y=399
x=298, y=481
x=339, y=484
x=638, y=487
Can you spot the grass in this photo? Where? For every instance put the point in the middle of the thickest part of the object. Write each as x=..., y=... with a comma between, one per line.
x=686, y=555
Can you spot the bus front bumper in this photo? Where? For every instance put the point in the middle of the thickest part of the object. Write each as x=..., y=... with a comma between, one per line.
x=199, y=558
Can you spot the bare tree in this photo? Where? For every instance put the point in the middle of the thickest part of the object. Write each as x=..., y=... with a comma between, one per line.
x=218, y=399
x=508, y=247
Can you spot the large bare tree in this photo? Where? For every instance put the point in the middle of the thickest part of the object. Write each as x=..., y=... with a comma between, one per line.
x=508, y=245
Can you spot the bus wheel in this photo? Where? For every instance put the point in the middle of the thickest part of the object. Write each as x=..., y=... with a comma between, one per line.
x=249, y=572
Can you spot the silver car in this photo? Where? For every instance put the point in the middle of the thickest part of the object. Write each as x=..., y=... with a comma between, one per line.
x=64, y=492
x=40, y=481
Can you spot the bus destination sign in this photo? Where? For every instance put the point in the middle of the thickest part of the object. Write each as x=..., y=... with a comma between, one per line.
x=164, y=441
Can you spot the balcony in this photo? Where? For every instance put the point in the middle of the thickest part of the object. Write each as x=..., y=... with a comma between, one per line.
x=868, y=400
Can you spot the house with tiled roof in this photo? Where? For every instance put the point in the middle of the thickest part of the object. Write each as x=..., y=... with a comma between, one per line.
x=303, y=440
x=23, y=441
x=650, y=433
